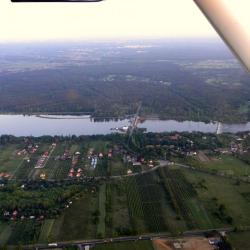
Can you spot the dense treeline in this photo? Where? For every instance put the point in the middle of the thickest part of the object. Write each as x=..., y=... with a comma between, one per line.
x=117, y=83
x=25, y=201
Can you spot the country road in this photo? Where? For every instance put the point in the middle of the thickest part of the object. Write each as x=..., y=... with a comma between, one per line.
x=154, y=236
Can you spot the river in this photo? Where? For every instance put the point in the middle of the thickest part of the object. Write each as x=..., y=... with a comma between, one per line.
x=20, y=125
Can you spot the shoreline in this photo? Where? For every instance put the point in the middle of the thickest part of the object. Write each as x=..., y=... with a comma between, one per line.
x=105, y=118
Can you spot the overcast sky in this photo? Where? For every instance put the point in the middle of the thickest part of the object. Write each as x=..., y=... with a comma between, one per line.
x=108, y=19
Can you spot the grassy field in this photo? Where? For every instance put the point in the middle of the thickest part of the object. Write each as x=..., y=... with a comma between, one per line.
x=99, y=146
x=140, y=245
x=118, y=167
x=9, y=161
x=119, y=210
x=240, y=240
x=23, y=232
x=77, y=222
x=223, y=196
x=185, y=200
x=46, y=231
x=225, y=164
x=149, y=205
x=102, y=211
x=5, y=233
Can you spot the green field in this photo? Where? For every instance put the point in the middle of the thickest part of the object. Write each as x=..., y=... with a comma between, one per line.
x=77, y=221
x=9, y=161
x=5, y=233
x=46, y=229
x=118, y=167
x=240, y=240
x=170, y=199
x=227, y=165
x=23, y=232
x=185, y=200
x=119, y=210
x=140, y=245
x=219, y=194
x=102, y=211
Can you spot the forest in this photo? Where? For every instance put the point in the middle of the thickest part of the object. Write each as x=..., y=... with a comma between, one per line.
x=197, y=81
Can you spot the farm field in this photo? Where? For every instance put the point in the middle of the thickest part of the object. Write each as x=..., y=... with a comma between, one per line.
x=239, y=240
x=117, y=209
x=79, y=221
x=9, y=161
x=100, y=214
x=149, y=205
x=22, y=232
x=5, y=233
x=53, y=202
x=168, y=200
x=185, y=200
x=223, y=164
x=117, y=167
x=102, y=211
x=46, y=230
x=227, y=201
x=140, y=245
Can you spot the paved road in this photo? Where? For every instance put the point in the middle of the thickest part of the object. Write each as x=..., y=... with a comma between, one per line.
x=83, y=243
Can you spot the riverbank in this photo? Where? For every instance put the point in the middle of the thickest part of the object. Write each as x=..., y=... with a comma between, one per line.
x=143, y=117
x=34, y=125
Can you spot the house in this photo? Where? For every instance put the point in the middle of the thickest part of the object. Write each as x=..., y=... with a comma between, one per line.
x=129, y=171
x=137, y=164
x=42, y=176
x=14, y=214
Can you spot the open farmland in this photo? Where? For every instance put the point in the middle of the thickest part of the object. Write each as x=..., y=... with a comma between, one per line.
x=149, y=205
x=222, y=164
x=78, y=221
x=240, y=240
x=9, y=161
x=48, y=196
x=184, y=199
x=225, y=200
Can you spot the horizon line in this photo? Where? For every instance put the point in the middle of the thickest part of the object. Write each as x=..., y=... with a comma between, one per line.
x=122, y=39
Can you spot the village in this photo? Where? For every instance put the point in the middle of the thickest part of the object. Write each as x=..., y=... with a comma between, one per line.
x=93, y=179
x=34, y=161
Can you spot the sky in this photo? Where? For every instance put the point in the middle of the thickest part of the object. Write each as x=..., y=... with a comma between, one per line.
x=110, y=19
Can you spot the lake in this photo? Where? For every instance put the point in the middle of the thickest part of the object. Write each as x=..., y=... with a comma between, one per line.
x=20, y=125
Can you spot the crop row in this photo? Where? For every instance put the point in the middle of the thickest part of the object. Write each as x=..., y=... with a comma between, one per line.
x=180, y=194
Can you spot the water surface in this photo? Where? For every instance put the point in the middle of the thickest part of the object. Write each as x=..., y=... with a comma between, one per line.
x=20, y=125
